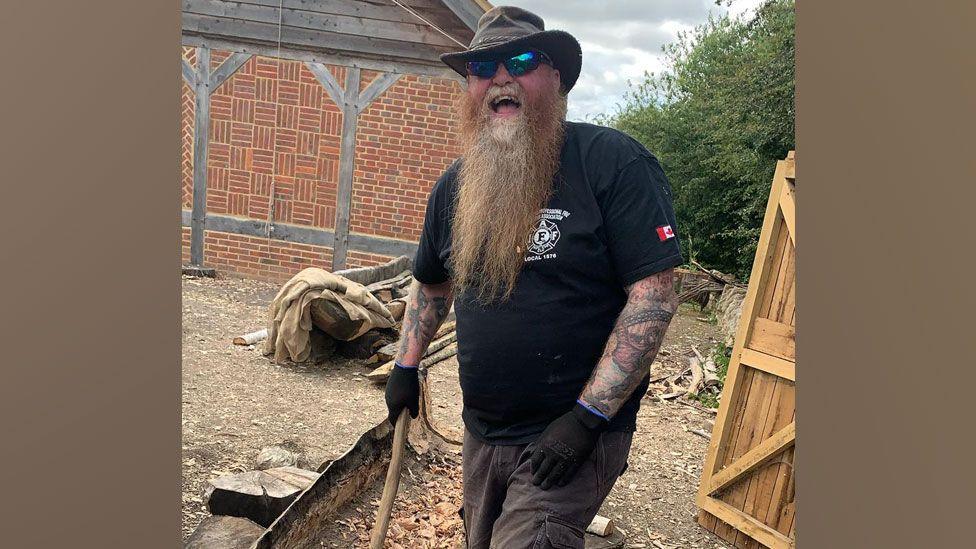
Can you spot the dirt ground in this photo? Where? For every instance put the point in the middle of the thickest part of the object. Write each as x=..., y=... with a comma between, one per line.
x=235, y=401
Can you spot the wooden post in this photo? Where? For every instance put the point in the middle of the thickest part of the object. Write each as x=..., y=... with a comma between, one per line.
x=204, y=82
x=347, y=164
x=351, y=102
x=201, y=136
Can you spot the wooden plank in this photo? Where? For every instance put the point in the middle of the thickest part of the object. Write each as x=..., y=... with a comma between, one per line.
x=753, y=504
x=346, y=59
x=379, y=245
x=780, y=279
x=251, y=31
x=189, y=73
x=756, y=410
x=328, y=81
x=411, y=31
x=770, y=364
x=375, y=88
x=758, y=455
x=774, y=338
x=227, y=68
x=787, y=205
x=347, y=164
x=735, y=518
x=201, y=137
x=467, y=11
x=790, y=171
x=783, y=504
x=771, y=490
x=354, y=8
x=771, y=279
x=782, y=309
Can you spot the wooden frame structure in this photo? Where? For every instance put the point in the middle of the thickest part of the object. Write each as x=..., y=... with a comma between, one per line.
x=356, y=34
x=747, y=491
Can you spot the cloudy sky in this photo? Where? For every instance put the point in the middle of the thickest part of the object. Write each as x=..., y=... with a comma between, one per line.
x=621, y=39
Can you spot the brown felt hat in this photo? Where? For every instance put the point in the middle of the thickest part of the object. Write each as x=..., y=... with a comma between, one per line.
x=509, y=30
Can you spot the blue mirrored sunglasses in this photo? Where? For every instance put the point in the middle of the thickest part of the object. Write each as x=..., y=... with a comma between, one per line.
x=516, y=66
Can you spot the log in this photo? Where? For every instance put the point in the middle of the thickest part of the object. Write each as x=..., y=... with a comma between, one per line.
x=711, y=374
x=223, y=532
x=388, y=352
x=384, y=294
x=400, y=280
x=257, y=495
x=396, y=308
x=375, y=273
x=697, y=375
x=363, y=346
x=251, y=338
x=600, y=526
x=382, y=373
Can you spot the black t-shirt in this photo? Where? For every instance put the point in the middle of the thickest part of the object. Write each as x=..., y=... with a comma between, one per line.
x=609, y=223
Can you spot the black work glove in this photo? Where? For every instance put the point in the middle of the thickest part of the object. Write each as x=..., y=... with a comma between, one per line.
x=564, y=446
x=402, y=391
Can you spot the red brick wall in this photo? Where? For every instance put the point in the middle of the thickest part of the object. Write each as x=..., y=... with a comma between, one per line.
x=274, y=129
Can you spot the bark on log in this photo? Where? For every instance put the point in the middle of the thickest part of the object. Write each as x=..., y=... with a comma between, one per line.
x=396, y=308
x=251, y=338
x=257, y=495
x=223, y=532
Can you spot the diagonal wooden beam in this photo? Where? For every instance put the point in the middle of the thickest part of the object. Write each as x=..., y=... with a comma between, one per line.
x=465, y=10
x=375, y=89
x=328, y=81
x=762, y=453
x=189, y=73
x=227, y=68
x=747, y=524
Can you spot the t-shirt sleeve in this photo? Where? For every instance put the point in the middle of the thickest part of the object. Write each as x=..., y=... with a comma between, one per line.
x=639, y=221
x=428, y=265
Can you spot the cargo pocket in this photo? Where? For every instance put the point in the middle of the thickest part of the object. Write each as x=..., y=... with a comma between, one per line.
x=558, y=533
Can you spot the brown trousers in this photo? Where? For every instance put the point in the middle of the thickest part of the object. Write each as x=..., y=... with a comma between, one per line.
x=504, y=510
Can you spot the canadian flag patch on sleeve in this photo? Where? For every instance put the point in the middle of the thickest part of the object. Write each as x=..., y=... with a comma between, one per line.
x=665, y=232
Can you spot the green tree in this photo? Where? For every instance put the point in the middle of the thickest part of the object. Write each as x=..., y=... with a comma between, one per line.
x=718, y=119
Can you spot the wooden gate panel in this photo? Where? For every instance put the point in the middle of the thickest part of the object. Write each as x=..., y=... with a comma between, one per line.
x=747, y=490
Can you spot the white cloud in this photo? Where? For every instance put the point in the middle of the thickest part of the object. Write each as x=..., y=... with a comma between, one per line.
x=621, y=40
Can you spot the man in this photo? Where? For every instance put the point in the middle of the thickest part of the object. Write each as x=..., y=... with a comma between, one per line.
x=555, y=242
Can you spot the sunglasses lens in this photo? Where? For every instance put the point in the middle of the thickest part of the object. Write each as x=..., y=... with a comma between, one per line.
x=521, y=64
x=482, y=69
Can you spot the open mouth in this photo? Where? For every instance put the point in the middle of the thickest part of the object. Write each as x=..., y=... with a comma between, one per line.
x=505, y=105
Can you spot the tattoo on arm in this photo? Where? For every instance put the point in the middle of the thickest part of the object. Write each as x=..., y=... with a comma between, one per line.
x=633, y=343
x=426, y=309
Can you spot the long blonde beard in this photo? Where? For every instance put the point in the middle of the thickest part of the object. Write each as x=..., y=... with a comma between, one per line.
x=506, y=177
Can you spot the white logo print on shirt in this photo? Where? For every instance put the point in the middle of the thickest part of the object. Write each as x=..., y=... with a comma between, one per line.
x=546, y=235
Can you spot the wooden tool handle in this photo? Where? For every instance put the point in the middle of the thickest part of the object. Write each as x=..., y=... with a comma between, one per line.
x=392, y=482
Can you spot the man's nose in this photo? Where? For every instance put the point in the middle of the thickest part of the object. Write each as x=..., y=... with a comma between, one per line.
x=501, y=76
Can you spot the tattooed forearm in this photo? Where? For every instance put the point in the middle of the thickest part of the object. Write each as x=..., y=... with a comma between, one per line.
x=633, y=344
x=427, y=307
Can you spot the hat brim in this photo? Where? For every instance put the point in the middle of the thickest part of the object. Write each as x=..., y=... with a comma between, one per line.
x=560, y=46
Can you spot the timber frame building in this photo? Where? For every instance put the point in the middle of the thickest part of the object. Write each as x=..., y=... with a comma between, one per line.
x=313, y=130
